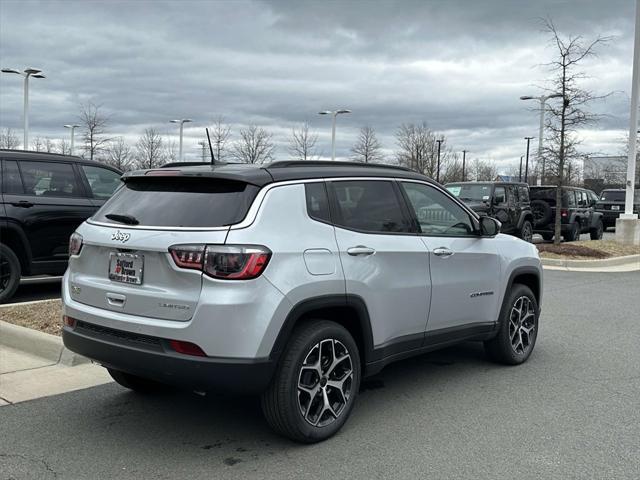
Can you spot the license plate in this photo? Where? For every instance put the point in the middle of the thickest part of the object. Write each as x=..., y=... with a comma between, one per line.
x=615, y=207
x=126, y=268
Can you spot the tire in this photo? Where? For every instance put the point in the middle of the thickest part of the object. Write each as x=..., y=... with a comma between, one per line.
x=547, y=236
x=136, y=383
x=526, y=231
x=294, y=404
x=542, y=213
x=596, y=233
x=573, y=235
x=10, y=272
x=509, y=346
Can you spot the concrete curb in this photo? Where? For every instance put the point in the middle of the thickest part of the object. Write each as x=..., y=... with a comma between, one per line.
x=629, y=260
x=38, y=343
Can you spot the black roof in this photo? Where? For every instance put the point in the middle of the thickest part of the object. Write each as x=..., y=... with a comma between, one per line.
x=492, y=182
x=49, y=157
x=263, y=174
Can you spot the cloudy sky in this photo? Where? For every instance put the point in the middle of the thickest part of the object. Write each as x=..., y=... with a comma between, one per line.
x=460, y=66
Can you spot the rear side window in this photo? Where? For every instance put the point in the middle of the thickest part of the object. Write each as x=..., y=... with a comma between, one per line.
x=317, y=202
x=524, y=194
x=49, y=179
x=370, y=206
x=11, y=181
x=179, y=202
x=102, y=181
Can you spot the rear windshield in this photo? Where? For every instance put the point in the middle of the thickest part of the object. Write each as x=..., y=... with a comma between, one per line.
x=612, y=196
x=172, y=202
x=470, y=192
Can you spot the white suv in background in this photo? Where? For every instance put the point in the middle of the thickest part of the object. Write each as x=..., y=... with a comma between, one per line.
x=293, y=280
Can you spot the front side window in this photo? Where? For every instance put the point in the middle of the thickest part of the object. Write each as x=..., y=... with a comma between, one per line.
x=370, y=206
x=102, y=181
x=500, y=196
x=437, y=214
x=49, y=179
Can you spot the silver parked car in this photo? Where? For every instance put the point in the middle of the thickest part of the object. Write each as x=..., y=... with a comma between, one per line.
x=293, y=280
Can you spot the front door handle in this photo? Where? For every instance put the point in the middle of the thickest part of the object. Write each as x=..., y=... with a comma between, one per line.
x=360, y=250
x=443, y=252
x=22, y=204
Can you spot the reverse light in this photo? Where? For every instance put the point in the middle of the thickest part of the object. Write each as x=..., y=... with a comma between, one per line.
x=227, y=262
x=187, y=348
x=75, y=243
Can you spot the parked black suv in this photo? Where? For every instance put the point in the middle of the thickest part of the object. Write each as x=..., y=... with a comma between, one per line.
x=611, y=205
x=43, y=199
x=506, y=201
x=577, y=213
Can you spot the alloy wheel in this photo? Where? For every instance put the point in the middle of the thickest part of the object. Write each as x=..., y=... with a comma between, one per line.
x=527, y=233
x=522, y=325
x=325, y=382
x=5, y=273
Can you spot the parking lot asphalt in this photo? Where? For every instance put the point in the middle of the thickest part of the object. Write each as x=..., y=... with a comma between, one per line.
x=37, y=288
x=572, y=411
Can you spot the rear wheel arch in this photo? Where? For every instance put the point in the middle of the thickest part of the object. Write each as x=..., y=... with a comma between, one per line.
x=14, y=238
x=349, y=311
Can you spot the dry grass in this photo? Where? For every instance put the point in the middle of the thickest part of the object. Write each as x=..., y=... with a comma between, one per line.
x=43, y=316
x=587, y=249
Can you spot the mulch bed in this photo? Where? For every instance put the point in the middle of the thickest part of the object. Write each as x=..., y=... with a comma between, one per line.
x=43, y=316
x=589, y=249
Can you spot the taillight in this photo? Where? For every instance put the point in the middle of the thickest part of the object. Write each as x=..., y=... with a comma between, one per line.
x=75, y=243
x=564, y=213
x=228, y=262
x=188, y=256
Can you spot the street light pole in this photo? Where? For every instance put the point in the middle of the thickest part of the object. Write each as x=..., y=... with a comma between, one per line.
x=526, y=165
x=542, y=99
x=28, y=72
x=520, y=175
x=72, y=128
x=334, y=113
x=438, y=171
x=464, y=161
x=181, y=122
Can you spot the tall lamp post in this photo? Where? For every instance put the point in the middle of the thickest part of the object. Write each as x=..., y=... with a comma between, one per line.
x=181, y=122
x=464, y=161
x=526, y=164
x=439, y=142
x=334, y=114
x=520, y=175
x=542, y=99
x=72, y=128
x=28, y=72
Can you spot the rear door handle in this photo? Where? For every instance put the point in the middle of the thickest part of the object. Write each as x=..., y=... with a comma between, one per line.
x=443, y=252
x=360, y=250
x=22, y=204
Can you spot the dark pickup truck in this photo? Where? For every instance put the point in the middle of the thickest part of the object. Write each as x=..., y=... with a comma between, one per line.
x=505, y=201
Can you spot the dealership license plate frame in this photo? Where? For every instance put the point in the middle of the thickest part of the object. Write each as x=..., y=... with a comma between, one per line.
x=137, y=266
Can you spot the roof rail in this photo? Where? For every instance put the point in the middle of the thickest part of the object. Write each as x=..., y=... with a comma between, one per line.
x=326, y=163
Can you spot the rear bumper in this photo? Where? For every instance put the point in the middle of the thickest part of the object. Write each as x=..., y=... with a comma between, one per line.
x=152, y=358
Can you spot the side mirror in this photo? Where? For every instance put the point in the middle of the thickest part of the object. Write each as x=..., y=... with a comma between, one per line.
x=489, y=226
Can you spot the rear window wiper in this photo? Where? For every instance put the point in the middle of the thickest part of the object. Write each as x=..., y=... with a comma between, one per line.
x=128, y=219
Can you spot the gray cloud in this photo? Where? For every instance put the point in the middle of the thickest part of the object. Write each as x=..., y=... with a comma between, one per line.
x=459, y=66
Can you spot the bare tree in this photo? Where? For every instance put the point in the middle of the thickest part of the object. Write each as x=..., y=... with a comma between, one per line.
x=220, y=134
x=38, y=144
x=150, y=149
x=171, y=151
x=254, y=146
x=49, y=145
x=452, y=169
x=94, y=124
x=572, y=114
x=8, y=139
x=367, y=148
x=482, y=170
x=302, y=143
x=119, y=154
x=64, y=147
x=418, y=149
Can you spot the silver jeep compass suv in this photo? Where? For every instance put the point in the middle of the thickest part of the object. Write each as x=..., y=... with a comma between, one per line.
x=293, y=280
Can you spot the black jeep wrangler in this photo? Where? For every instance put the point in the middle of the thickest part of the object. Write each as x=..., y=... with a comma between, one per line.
x=43, y=199
x=577, y=213
x=506, y=201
